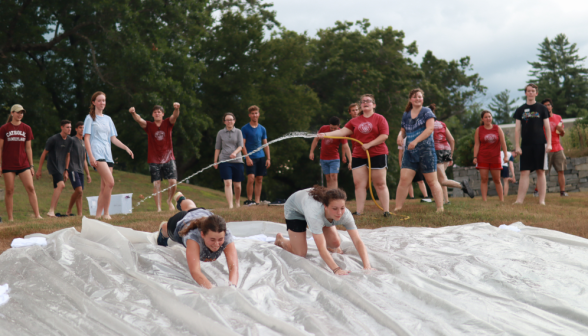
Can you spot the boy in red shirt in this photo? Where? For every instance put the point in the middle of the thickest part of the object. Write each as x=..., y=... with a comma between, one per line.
x=160, y=151
x=330, y=153
x=556, y=158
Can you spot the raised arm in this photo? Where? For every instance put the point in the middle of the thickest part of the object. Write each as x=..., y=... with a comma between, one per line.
x=138, y=118
x=193, y=258
x=232, y=263
x=175, y=115
x=342, y=132
x=121, y=145
x=354, y=235
x=321, y=244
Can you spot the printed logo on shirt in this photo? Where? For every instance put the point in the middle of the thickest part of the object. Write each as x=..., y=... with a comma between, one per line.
x=491, y=138
x=16, y=136
x=529, y=115
x=366, y=127
x=159, y=135
x=328, y=141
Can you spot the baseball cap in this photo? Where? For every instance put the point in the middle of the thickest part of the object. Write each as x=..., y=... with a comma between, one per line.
x=16, y=108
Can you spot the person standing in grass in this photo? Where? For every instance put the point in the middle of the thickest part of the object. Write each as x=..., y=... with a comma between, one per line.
x=58, y=147
x=418, y=177
x=507, y=171
x=418, y=124
x=489, y=139
x=229, y=143
x=320, y=209
x=16, y=155
x=330, y=161
x=556, y=157
x=444, y=147
x=99, y=133
x=532, y=119
x=160, y=151
x=254, y=136
x=372, y=130
x=77, y=166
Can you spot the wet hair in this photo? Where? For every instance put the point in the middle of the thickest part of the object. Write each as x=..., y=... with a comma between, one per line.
x=325, y=196
x=432, y=107
x=410, y=94
x=158, y=107
x=370, y=96
x=352, y=105
x=482, y=116
x=534, y=86
x=92, y=107
x=547, y=100
x=335, y=121
x=229, y=114
x=214, y=223
x=65, y=122
x=252, y=108
x=79, y=123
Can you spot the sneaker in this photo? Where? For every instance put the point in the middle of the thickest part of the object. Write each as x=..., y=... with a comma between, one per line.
x=264, y=202
x=387, y=214
x=356, y=214
x=161, y=240
x=563, y=194
x=426, y=200
x=535, y=193
x=249, y=202
x=465, y=186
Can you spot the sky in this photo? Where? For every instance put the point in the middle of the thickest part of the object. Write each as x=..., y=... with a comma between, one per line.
x=499, y=36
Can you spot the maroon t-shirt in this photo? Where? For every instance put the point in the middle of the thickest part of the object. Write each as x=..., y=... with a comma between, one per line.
x=14, y=155
x=160, y=149
x=330, y=147
x=489, y=151
x=367, y=129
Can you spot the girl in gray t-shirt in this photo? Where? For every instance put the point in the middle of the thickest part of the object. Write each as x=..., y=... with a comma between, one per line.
x=321, y=210
x=205, y=236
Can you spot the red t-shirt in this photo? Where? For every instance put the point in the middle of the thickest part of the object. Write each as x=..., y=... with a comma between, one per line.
x=439, y=136
x=367, y=129
x=330, y=147
x=14, y=155
x=489, y=145
x=160, y=149
x=554, y=120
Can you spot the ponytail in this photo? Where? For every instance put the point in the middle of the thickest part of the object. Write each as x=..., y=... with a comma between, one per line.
x=92, y=107
x=213, y=223
x=432, y=107
x=9, y=118
x=325, y=196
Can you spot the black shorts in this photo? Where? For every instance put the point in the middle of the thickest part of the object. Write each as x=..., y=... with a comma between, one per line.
x=110, y=164
x=18, y=171
x=167, y=171
x=533, y=157
x=505, y=172
x=378, y=162
x=258, y=168
x=443, y=156
x=172, y=223
x=296, y=225
x=56, y=179
x=418, y=177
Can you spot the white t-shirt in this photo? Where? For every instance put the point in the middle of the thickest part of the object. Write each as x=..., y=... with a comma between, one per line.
x=505, y=164
x=300, y=205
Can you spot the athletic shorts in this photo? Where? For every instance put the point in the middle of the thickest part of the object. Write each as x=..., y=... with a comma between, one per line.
x=427, y=161
x=330, y=166
x=231, y=171
x=296, y=225
x=418, y=176
x=258, y=168
x=56, y=179
x=77, y=179
x=377, y=162
x=110, y=164
x=557, y=160
x=489, y=166
x=18, y=171
x=533, y=158
x=443, y=156
x=167, y=171
x=172, y=223
x=505, y=173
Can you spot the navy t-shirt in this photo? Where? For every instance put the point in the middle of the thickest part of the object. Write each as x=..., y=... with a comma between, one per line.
x=253, y=139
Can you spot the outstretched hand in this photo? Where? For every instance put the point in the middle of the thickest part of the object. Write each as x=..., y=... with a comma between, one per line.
x=176, y=106
x=132, y=110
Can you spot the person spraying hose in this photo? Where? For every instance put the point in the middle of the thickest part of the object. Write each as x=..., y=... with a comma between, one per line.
x=205, y=237
x=321, y=209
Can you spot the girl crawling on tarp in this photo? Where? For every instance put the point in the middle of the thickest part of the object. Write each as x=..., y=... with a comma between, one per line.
x=205, y=236
x=321, y=209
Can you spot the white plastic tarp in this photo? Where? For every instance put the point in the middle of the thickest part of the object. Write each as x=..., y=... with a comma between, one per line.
x=471, y=279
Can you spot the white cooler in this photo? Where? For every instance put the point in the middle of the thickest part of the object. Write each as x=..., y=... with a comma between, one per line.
x=119, y=204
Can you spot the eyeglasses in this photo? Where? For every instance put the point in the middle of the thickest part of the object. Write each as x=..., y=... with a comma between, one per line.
x=367, y=101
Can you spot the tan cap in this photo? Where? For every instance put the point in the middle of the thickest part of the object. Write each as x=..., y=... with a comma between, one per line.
x=16, y=108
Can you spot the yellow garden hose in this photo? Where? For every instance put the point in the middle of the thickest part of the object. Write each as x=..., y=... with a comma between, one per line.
x=369, y=174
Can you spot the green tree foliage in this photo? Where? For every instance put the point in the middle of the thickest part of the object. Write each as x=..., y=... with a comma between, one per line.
x=503, y=108
x=561, y=76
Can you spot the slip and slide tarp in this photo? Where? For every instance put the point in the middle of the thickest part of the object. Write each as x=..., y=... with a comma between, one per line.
x=471, y=279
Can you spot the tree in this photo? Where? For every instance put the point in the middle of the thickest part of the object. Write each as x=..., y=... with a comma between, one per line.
x=503, y=108
x=561, y=76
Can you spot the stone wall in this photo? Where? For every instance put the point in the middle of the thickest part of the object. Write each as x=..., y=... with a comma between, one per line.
x=576, y=179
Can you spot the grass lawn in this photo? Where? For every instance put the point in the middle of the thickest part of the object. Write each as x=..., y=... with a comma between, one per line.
x=566, y=214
